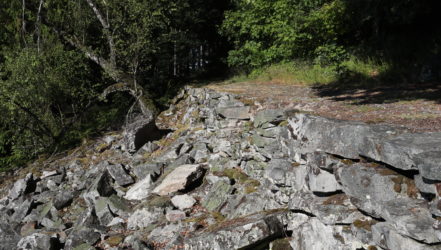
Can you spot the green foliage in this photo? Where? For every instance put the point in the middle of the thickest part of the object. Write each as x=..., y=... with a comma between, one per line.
x=264, y=32
x=42, y=95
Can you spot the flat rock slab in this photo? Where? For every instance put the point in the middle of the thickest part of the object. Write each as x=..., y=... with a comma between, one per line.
x=179, y=179
x=239, y=233
x=140, y=190
x=241, y=113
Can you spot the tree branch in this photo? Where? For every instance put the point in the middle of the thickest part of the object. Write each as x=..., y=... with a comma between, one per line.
x=107, y=32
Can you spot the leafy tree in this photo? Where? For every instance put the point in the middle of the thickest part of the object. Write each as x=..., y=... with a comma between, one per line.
x=42, y=95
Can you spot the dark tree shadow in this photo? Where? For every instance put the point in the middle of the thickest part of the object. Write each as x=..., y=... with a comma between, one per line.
x=360, y=89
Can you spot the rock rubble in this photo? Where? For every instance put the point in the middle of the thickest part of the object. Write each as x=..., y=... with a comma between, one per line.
x=232, y=175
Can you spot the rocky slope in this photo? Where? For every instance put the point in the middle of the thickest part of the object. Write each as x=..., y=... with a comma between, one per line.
x=232, y=175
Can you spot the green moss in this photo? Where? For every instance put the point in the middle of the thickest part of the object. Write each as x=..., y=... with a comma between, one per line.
x=251, y=186
x=364, y=224
x=218, y=216
x=159, y=201
x=337, y=199
x=114, y=241
x=283, y=123
x=281, y=244
x=237, y=175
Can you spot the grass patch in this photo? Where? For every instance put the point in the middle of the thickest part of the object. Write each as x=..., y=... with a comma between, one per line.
x=359, y=72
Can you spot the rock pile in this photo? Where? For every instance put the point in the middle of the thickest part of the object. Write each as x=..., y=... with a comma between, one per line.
x=231, y=176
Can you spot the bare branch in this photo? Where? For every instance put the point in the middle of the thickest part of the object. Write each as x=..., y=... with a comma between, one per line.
x=104, y=22
x=98, y=14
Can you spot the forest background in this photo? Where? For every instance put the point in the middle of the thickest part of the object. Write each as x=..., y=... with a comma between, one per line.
x=73, y=69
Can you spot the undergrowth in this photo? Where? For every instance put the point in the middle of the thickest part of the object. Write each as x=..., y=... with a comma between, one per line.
x=363, y=72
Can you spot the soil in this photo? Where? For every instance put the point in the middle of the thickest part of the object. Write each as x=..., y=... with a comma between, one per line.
x=417, y=107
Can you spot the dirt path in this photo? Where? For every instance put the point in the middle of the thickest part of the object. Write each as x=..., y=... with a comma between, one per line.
x=417, y=108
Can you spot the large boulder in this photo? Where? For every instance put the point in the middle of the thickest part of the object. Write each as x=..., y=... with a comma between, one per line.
x=239, y=233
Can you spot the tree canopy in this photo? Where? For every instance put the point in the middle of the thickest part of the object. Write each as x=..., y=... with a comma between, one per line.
x=61, y=59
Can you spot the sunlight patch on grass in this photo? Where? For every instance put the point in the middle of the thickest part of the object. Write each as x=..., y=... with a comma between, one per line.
x=358, y=72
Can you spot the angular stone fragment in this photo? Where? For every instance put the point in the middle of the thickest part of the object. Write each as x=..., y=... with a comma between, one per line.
x=315, y=235
x=120, y=175
x=102, y=210
x=414, y=151
x=269, y=116
x=241, y=113
x=385, y=236
x=183, y=202
x=63, y=199
x=239, y=233
x=139, y=132
x=21, y=210
x=143, y=170
x=217, y=196
x=21, y=186
x=179, y=179
x=429, y=164
x=141, y=219
x=140, y=190
x=411, y=218
x=344, y=138
x=322, y=181
x=335, y=209
x=368, y=187
x=175, y=215
x=37, y=241
x=101, y=186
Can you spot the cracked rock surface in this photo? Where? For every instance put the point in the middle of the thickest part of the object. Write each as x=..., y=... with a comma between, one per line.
x=232, y=175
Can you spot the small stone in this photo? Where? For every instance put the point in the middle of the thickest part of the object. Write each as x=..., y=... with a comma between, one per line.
x=28, y=228
x=115, y=221
x=63, y=199
x=37, y=241
x=141, y=218
x=20, y=187
x=179, y=179
x=175, y=215
x=183, y=202
x=46, y=174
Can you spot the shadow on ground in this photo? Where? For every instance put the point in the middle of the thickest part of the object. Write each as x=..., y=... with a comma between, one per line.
x=360, y=90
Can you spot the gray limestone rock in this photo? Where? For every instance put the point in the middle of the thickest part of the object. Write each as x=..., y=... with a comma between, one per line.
x=141, y=218
x=411, y=218
x=237, y=233
x=139, y=132
x=321, y=181
x=315, y=235
x=175, y=215
x=183, y=202
x=241, y=113
x=37, y=241
x=140, y=190
x=22, y=186
x=429, y=164
x=269, y=116
x=385, y=236
x=8, y=236
x=101, y=187
x=119, y=174
x=63, y=199
x=414, y=151
x=335, y=209
x=179, y=179
x=217, y=195
x=369, y=186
